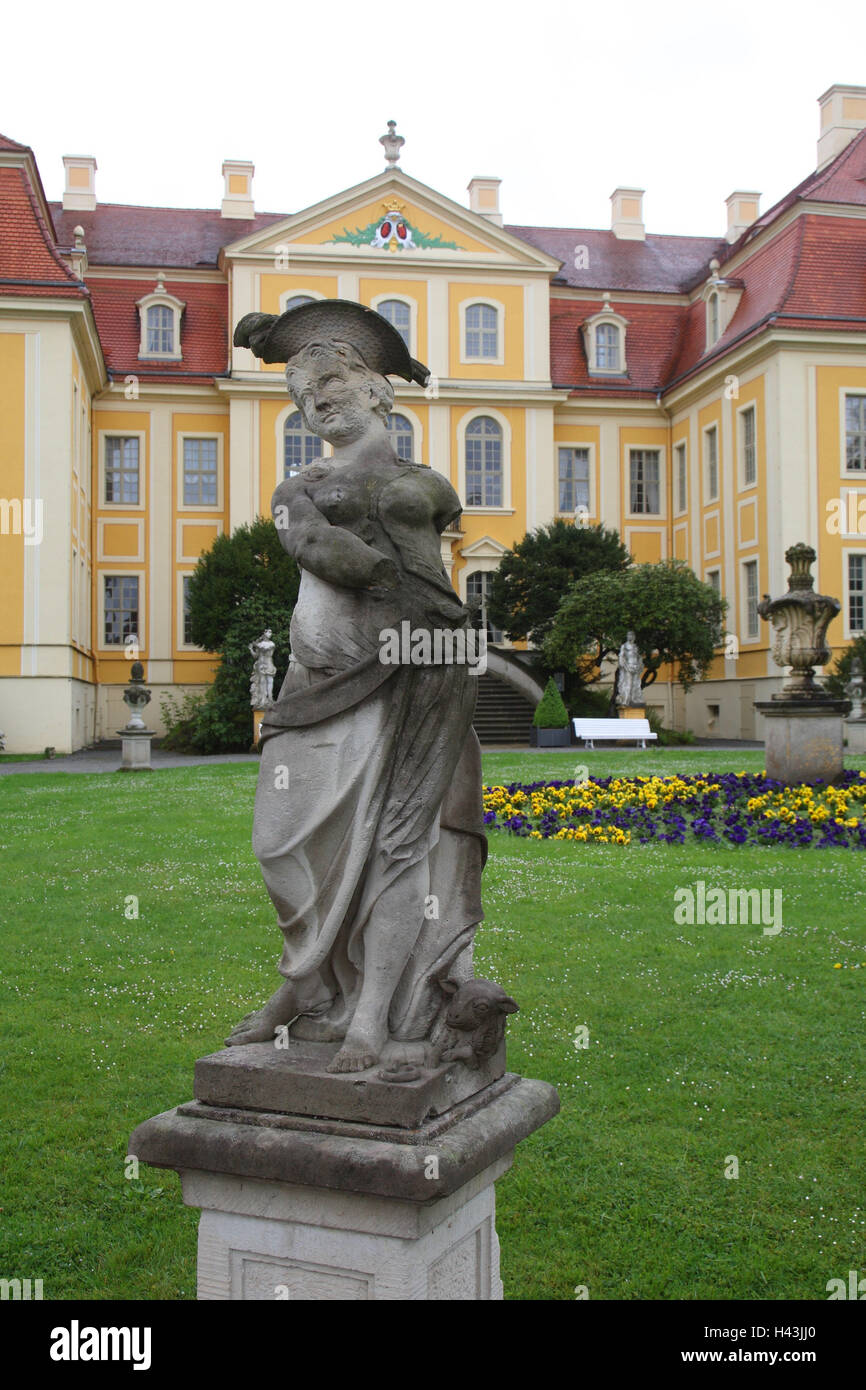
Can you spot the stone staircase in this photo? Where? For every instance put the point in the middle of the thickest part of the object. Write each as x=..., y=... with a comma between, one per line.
x=502, y=715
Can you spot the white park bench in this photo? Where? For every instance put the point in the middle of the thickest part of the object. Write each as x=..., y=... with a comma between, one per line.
x=635, y=730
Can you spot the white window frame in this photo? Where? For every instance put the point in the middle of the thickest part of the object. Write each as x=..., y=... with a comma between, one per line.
x=749, y=638
x=644, y=449
x=160, y=297
x=575, y=444
x=499, y=359
x=844, y=470
x=181, y=645
x=463, y=424
x=681, y=445
x=847, y=552
x=412, y=306
x=715, y=569
x=589, y=329
x=742, y=412
x=141, y=504
x=209, y=508
x=109, y=571
x=710, y=497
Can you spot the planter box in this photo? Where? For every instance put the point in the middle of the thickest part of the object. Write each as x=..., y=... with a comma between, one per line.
x=551, y=738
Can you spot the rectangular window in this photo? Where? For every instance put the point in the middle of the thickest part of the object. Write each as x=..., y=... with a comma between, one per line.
x=645, y=470
x=856, y=592
x=682, y=479
x=714, y=579
x=573, y=480
x=750, y=589
x=711, y=454
x=750, y=456
x=121, y=608
x=121, y=469
x=199, y=472
x=187, y=627
x=855, y=434
x=482, y=331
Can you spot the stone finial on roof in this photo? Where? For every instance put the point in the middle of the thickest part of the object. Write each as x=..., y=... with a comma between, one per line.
x=392, y=144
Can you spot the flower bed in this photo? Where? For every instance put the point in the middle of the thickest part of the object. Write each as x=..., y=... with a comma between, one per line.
x=734, y=807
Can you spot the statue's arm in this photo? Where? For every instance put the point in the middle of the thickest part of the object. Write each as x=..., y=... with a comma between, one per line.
x=330, y=552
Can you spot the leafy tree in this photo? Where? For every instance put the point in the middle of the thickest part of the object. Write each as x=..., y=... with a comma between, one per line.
x=245, y=583
x=539, y=571
x=675, y=617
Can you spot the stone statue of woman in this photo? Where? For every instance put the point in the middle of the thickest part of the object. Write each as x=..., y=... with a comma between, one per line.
x=368, y=821
x=264, y=670
x=630, y=668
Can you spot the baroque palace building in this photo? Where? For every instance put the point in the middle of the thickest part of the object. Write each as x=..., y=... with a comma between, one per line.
x=705, y=396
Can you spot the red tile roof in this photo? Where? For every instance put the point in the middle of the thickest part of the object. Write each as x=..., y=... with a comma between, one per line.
x=165, y=238
x=660, y=264
x=29, y=263
x=7, y=144
x=652, y=335
x=204, y=329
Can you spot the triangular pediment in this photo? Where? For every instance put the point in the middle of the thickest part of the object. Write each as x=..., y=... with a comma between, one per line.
x=484, y=549
x=391, y=219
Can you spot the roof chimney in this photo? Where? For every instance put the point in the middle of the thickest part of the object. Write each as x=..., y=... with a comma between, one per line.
x=484, y=198
x=743, y=209
x=626, y=219
x=238, y=194
x=79, y=193
x=843, y=113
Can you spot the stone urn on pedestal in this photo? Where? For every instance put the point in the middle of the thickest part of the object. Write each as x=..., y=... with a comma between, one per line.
x=136, y=737
x=804, y=737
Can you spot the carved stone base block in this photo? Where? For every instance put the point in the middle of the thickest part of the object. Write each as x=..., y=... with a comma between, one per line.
x=135, y=751
x=275, y=1241
x=855, y=736
x=804, y=739
x=301, y=1208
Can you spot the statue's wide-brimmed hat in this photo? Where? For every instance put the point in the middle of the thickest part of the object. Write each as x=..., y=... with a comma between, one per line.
x=279, y=337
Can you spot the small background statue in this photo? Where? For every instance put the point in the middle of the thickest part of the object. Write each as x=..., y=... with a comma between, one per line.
x=630, y=668
x=264, y=670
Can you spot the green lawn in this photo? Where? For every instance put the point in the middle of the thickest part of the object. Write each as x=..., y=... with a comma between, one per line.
x=704, y=1042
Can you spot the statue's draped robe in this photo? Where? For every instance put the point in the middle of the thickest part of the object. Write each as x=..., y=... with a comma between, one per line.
x=367, y=770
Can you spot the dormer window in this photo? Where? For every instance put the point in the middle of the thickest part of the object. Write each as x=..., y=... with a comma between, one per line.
x=721, y=295
x=160, y=315
x=604, y=340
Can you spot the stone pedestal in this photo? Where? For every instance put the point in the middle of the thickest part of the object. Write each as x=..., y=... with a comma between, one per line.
x=295, y=1206
x=135, y=753
x=632, y=712
x=855, y=735
x=804, y=739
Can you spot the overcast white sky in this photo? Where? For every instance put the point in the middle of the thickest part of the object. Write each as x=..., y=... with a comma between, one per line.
x=561, y=100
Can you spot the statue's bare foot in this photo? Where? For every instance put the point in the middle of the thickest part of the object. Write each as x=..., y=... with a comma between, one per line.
x=360, y=1051
x=261, y=1025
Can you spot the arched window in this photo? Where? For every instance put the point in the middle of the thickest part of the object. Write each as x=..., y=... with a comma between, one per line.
x=297, y=300
x=478, y=591
x=401, y=435
x=160, y=328
x=607, y=357
x=301, y=447
x=482, y=331
x=483, y=463
x=399, y=315
x=713, y=319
